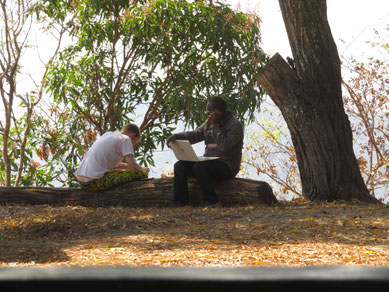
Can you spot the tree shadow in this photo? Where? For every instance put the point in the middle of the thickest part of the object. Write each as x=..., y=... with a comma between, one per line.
x=39, y=238
x=167, y=229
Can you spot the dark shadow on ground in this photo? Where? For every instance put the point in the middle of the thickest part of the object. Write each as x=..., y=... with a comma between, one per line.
x=40, y=234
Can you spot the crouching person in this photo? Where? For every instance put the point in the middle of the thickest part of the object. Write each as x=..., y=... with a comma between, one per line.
x=110, y=161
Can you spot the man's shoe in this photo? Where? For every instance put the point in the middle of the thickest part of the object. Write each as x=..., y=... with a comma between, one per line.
x=211, y=203
x=180, y=203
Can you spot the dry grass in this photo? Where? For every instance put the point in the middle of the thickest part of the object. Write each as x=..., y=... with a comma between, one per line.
x=294, y=234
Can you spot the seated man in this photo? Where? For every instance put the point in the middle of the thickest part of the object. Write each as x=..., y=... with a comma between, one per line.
x=223, y=136
x=112, y=151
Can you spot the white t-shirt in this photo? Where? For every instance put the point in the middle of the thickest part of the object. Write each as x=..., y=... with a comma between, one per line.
x=106, y=153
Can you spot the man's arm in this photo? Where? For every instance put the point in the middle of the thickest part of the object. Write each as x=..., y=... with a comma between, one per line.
x=227, y=140
x=121, y=165
x=193, y=137
x=131, y=164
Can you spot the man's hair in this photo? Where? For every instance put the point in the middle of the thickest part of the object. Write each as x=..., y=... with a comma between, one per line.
x=131, y=128
x=218, y=103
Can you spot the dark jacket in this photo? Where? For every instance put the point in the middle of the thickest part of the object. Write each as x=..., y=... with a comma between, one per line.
x=224, y=140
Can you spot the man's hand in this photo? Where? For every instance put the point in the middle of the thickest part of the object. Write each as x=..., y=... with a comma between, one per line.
x=171, y=139
x=121, y=166
x=215, y=117
x=133, y=165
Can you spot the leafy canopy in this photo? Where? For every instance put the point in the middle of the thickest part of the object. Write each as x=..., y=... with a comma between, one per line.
x=162, y=59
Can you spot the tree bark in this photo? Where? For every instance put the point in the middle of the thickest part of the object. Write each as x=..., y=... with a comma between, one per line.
x=151, y=192
x=310, y=99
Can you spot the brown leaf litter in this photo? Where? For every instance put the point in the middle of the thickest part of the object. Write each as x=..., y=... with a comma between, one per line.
x=292, y=234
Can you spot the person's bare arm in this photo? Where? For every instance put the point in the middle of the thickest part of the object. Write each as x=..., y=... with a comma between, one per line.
x=131, y=164
x=121, y=165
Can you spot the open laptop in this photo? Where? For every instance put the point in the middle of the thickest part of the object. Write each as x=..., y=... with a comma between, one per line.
x=183, y=150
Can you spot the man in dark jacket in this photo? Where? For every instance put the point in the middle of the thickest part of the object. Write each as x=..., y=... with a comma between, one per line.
x=223, y=137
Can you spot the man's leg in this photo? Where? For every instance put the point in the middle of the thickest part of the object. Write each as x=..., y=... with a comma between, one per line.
x=182, y=169
x=114, y=178
x=207, y=171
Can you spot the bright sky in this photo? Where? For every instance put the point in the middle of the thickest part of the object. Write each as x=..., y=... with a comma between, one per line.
x=350, y=20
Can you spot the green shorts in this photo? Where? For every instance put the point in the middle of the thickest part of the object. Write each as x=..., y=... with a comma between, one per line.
x=114, y=178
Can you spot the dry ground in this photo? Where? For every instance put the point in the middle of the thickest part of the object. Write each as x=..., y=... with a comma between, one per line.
x=294, y=234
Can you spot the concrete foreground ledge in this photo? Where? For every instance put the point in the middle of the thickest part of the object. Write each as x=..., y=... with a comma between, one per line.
x=124, y=278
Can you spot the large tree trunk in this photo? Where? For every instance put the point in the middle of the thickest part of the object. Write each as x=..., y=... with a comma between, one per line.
x=151, y=192
x=310, y=99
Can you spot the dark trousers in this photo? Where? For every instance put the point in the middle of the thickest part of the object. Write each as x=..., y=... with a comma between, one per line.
x=204, y=172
